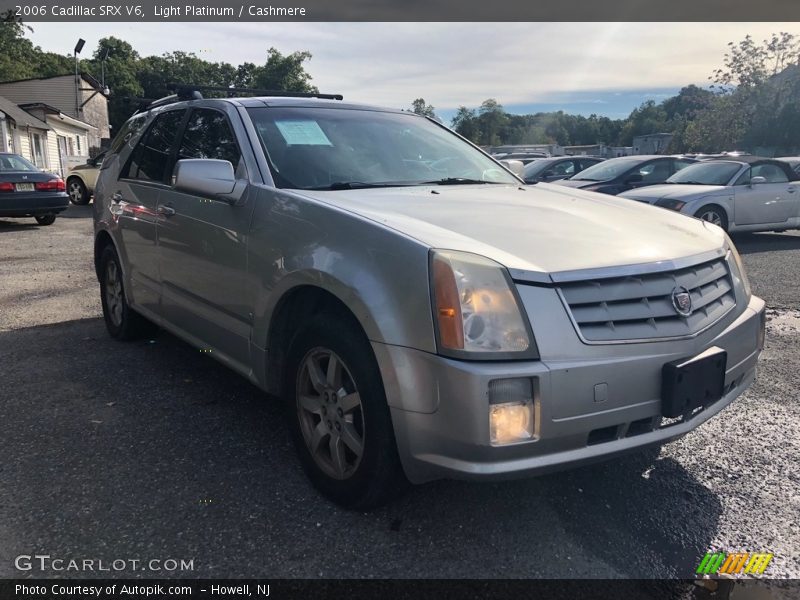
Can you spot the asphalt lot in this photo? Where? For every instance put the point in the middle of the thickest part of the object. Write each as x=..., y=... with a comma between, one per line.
x=150, y=450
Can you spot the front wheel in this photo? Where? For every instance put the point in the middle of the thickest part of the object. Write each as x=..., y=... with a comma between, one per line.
x=78, y=194
x=45, y=219
x=713, y=214
x=338, y=415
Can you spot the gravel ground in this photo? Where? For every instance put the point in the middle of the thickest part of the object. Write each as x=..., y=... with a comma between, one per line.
x=151, y=450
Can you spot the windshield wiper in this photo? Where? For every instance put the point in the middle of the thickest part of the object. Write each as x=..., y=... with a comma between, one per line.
x=356, y=185
x=456, y=181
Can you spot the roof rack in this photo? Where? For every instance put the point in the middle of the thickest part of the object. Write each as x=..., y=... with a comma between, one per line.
x=188, y=89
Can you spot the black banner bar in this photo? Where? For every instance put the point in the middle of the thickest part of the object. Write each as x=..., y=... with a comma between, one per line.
x=266, y=11
x=394, y=589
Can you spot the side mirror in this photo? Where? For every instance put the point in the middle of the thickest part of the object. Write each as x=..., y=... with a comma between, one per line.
x=206, y=177
x=757, y=179
x=634, y=178
x=515, y=166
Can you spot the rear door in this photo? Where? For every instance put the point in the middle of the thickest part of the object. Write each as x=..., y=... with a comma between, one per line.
x=774, y=201
x=202, y=244
x=134, y=201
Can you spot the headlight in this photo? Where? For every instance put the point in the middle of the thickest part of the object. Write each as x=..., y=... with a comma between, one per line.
x=739, y=267
x=670, y=203
x=475, y=308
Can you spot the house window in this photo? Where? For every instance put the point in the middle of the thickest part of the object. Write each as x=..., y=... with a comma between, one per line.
x=78, y=140
x=37, y=150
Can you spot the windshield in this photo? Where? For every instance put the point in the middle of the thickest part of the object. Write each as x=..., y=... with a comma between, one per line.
x=606, y=170
x=14, y=162
x=334, y=148
x=707, y=173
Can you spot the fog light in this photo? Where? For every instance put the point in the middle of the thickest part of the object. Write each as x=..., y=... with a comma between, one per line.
x=511, y=416
x=511, y=422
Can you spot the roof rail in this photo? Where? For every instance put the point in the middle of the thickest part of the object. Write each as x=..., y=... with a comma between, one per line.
x=188, y=88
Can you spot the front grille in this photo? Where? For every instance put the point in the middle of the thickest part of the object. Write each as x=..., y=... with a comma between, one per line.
x=640, y=307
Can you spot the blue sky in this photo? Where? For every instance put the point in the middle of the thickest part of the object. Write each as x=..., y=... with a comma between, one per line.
x=605, y=68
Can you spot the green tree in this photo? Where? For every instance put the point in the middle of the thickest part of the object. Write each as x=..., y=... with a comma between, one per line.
x=284, y=72
x=491, y=119
x=420, y=107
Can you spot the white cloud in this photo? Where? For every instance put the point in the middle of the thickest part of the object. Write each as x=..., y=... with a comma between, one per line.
x=449, y=63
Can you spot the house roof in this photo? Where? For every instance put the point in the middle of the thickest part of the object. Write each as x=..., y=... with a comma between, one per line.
x=58, y=113
x=19, y=116
x=85, y=76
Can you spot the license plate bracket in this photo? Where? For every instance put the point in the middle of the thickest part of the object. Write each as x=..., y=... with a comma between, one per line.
x=689, y=383
x=24, y=187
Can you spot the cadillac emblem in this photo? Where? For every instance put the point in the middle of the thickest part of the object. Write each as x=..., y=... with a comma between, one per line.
x=682, y=301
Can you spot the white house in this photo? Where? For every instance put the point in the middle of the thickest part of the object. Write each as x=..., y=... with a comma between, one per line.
x=45, y=136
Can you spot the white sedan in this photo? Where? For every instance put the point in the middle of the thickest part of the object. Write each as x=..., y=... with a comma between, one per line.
x=746, y=193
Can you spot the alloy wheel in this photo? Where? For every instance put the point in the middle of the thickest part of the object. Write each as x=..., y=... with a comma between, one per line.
x=113, y=290
x=711, y=216
x=75, y=192
x=330, y=413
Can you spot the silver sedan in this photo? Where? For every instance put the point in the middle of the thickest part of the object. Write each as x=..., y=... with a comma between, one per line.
x=741, y=194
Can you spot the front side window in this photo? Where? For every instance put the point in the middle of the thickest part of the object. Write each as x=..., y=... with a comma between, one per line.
x=331, y=148
x=150, y=160
x=772, y=173
x=655, y=172
x=208, y=135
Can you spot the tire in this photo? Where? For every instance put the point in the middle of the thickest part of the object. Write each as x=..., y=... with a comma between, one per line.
x=45, y=220
x=122, y=322
x=78, y=194
x=713, y=214
x=330, y=421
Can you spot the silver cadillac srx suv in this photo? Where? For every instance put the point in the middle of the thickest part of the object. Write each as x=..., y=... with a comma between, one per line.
x=419, y=310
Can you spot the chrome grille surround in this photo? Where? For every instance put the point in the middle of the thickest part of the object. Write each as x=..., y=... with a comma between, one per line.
x=639, y=307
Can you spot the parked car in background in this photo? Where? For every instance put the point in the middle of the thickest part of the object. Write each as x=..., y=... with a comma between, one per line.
x=82, y=179
x=553, y=169
x=747, y=193
x=420, y=312
x=793, y=161
x=27, y=191
x=523, y=157
x=617, y=175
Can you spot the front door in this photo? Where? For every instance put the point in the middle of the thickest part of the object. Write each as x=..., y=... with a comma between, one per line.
x=203, y=248
x=773, y=201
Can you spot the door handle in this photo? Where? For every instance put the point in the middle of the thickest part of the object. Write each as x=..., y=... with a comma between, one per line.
x=791, y=190
x=165, y=210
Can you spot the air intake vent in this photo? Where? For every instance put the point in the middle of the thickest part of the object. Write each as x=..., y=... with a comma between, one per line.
x=643, y=307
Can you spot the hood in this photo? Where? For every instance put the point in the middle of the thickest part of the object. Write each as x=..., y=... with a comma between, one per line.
x=574, y=183
x=538, y=229
x=677, y=191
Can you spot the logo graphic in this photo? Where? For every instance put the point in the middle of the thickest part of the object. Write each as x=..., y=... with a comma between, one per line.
x=682, y=301
x=734, y=563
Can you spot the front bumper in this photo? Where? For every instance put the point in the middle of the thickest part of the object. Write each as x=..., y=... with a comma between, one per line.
x=440, y=406
x=13, y=204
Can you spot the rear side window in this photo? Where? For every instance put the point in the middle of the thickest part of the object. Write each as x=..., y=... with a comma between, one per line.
x=209, y=135
x=150, y=160
x=131, y=127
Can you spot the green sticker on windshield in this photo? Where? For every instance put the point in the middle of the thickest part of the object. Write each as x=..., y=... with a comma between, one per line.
x=303, y=133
